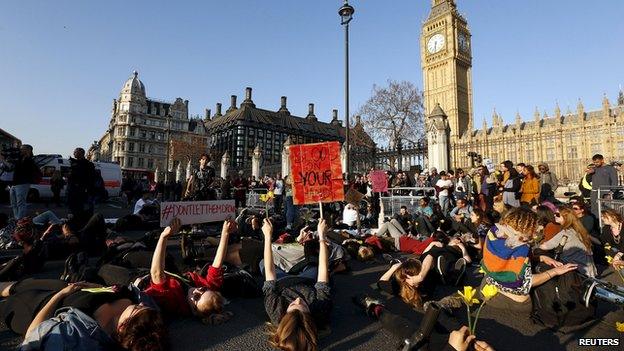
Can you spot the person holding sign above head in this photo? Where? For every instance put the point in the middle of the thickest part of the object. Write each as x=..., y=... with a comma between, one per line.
x=191, y=293
x=296, y=305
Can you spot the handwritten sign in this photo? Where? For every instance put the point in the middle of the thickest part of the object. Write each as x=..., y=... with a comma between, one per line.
x=317, y=173
x=191, y=212
x=379, y=179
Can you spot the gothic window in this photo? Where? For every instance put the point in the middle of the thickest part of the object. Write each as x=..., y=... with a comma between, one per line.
x=572, y=152
x=141, y=147
x=130, y=161
x=130, y=146
x=141, y=162
x=132, y=132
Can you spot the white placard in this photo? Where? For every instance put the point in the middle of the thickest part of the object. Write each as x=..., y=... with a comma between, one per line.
x=192, y=212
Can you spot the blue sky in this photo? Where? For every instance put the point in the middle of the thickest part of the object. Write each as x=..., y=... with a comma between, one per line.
x=63, y=62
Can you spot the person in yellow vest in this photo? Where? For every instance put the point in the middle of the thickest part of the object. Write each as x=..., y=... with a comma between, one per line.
x=585, y=185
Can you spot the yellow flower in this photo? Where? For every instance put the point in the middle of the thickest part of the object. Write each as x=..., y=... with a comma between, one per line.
x=263, y=198
x=607, y=247
x=489, y=291
x=619, y=326
x=270, y=195
x=609, y=259
x=481, y=271
x=468, y=295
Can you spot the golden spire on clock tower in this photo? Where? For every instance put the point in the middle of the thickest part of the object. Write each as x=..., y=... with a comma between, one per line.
x=446, y=60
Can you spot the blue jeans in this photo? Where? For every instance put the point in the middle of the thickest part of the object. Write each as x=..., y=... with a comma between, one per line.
x=307, y=272
x=18, y=195
x=48, y=217
x=445, y=203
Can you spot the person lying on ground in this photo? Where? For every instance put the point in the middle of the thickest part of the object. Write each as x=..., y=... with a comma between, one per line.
x=54, y=315
x=411, y=279
x=297, y=306
x=190, y=294
x=404, y=329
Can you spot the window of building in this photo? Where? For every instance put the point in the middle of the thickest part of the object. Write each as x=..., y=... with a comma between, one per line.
x=141, y=147
x=152, y=135
x=121, y=162
x=572, y=152
x=132, y=132
x=529, y=155
x=161, y=136
x=141, y=162
x=620, y=148
x=130, y=146
x=596, y=148
x=550, y=154
x=150, y=163
x=130, y=161
x=143, y=134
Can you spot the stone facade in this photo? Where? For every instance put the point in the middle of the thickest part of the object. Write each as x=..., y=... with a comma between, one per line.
x=566, y=141
x=140, y=128
x=8, y=141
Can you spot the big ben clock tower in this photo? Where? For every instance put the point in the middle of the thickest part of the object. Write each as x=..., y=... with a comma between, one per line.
x=446, y=60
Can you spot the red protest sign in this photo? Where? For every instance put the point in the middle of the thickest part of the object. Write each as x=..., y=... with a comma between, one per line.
x=316, y=173
x=379, y=179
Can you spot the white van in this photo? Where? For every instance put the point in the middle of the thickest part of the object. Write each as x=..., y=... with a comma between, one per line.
x=111, y=174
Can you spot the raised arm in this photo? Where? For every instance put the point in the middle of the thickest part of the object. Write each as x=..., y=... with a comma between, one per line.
x=269, y=266
x=386, y=277
x=228, y=227
x=157, y=270
x=323, y=266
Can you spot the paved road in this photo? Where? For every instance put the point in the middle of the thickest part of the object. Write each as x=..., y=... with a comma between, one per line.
x=352, y=330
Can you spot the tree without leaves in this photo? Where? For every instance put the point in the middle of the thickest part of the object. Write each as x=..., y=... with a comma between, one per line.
x=394, y=111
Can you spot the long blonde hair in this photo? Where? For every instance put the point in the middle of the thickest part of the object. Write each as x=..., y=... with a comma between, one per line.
x=296, y=331
x=571, y=221
x=409, y=294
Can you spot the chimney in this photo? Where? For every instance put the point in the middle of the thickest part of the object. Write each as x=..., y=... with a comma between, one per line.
x=283, y=108
x=335, y=120
x=247, y=101
x=232, y=103
x=311, y=112
x=218, y=114
x=207, y=114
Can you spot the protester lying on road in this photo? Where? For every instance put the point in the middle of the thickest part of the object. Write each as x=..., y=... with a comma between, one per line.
x=54, y=315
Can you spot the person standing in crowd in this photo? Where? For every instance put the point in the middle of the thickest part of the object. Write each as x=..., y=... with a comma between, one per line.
x=530, y=188
x=240, y=190
x=25, y=173
x=433, y=176
x=278, y=192
x=443, y=185
x=463, y=186
x=226, y=188
x=57, y=183
x=603, y=175
x=80, y=185
x=511, y=185
x=547, y=177
x=291, y=210
x=585, y=185
x=200, y=184
x=521, y=168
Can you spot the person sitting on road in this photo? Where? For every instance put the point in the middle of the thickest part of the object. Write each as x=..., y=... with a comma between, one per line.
x=191, y=293
x=405, y=219
x=54, y=315
x=578, y=246
x=506, y=261
x=611, y=238
x=460, y=216
x=297, y=305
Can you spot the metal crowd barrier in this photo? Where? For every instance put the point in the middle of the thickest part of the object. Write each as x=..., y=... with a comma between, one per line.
x=408, y=197
x=253, y=198
x=610, y=197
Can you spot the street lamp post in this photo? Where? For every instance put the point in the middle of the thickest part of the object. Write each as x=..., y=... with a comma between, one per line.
x=346, y=15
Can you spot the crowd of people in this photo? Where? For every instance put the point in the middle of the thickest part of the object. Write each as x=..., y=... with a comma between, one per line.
x=506, y=221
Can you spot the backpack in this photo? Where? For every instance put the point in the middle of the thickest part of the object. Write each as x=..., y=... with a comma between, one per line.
x=559, y=302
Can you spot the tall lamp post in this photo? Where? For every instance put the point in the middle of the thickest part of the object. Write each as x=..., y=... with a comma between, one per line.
x=346, y=15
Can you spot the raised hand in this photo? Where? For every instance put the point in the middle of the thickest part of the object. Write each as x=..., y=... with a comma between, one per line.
x=172, y=228
x=267, y=228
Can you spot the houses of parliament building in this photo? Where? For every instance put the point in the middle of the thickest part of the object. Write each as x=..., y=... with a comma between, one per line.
x=566, y=141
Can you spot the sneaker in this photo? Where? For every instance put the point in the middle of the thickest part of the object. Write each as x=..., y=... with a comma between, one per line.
x=366, y=302
x=459, y=270
x=441, y=267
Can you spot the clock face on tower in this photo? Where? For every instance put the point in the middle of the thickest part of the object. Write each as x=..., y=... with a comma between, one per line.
x=435, y=43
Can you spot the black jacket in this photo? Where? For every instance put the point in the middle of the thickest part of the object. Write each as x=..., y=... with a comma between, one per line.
x=25, y=171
